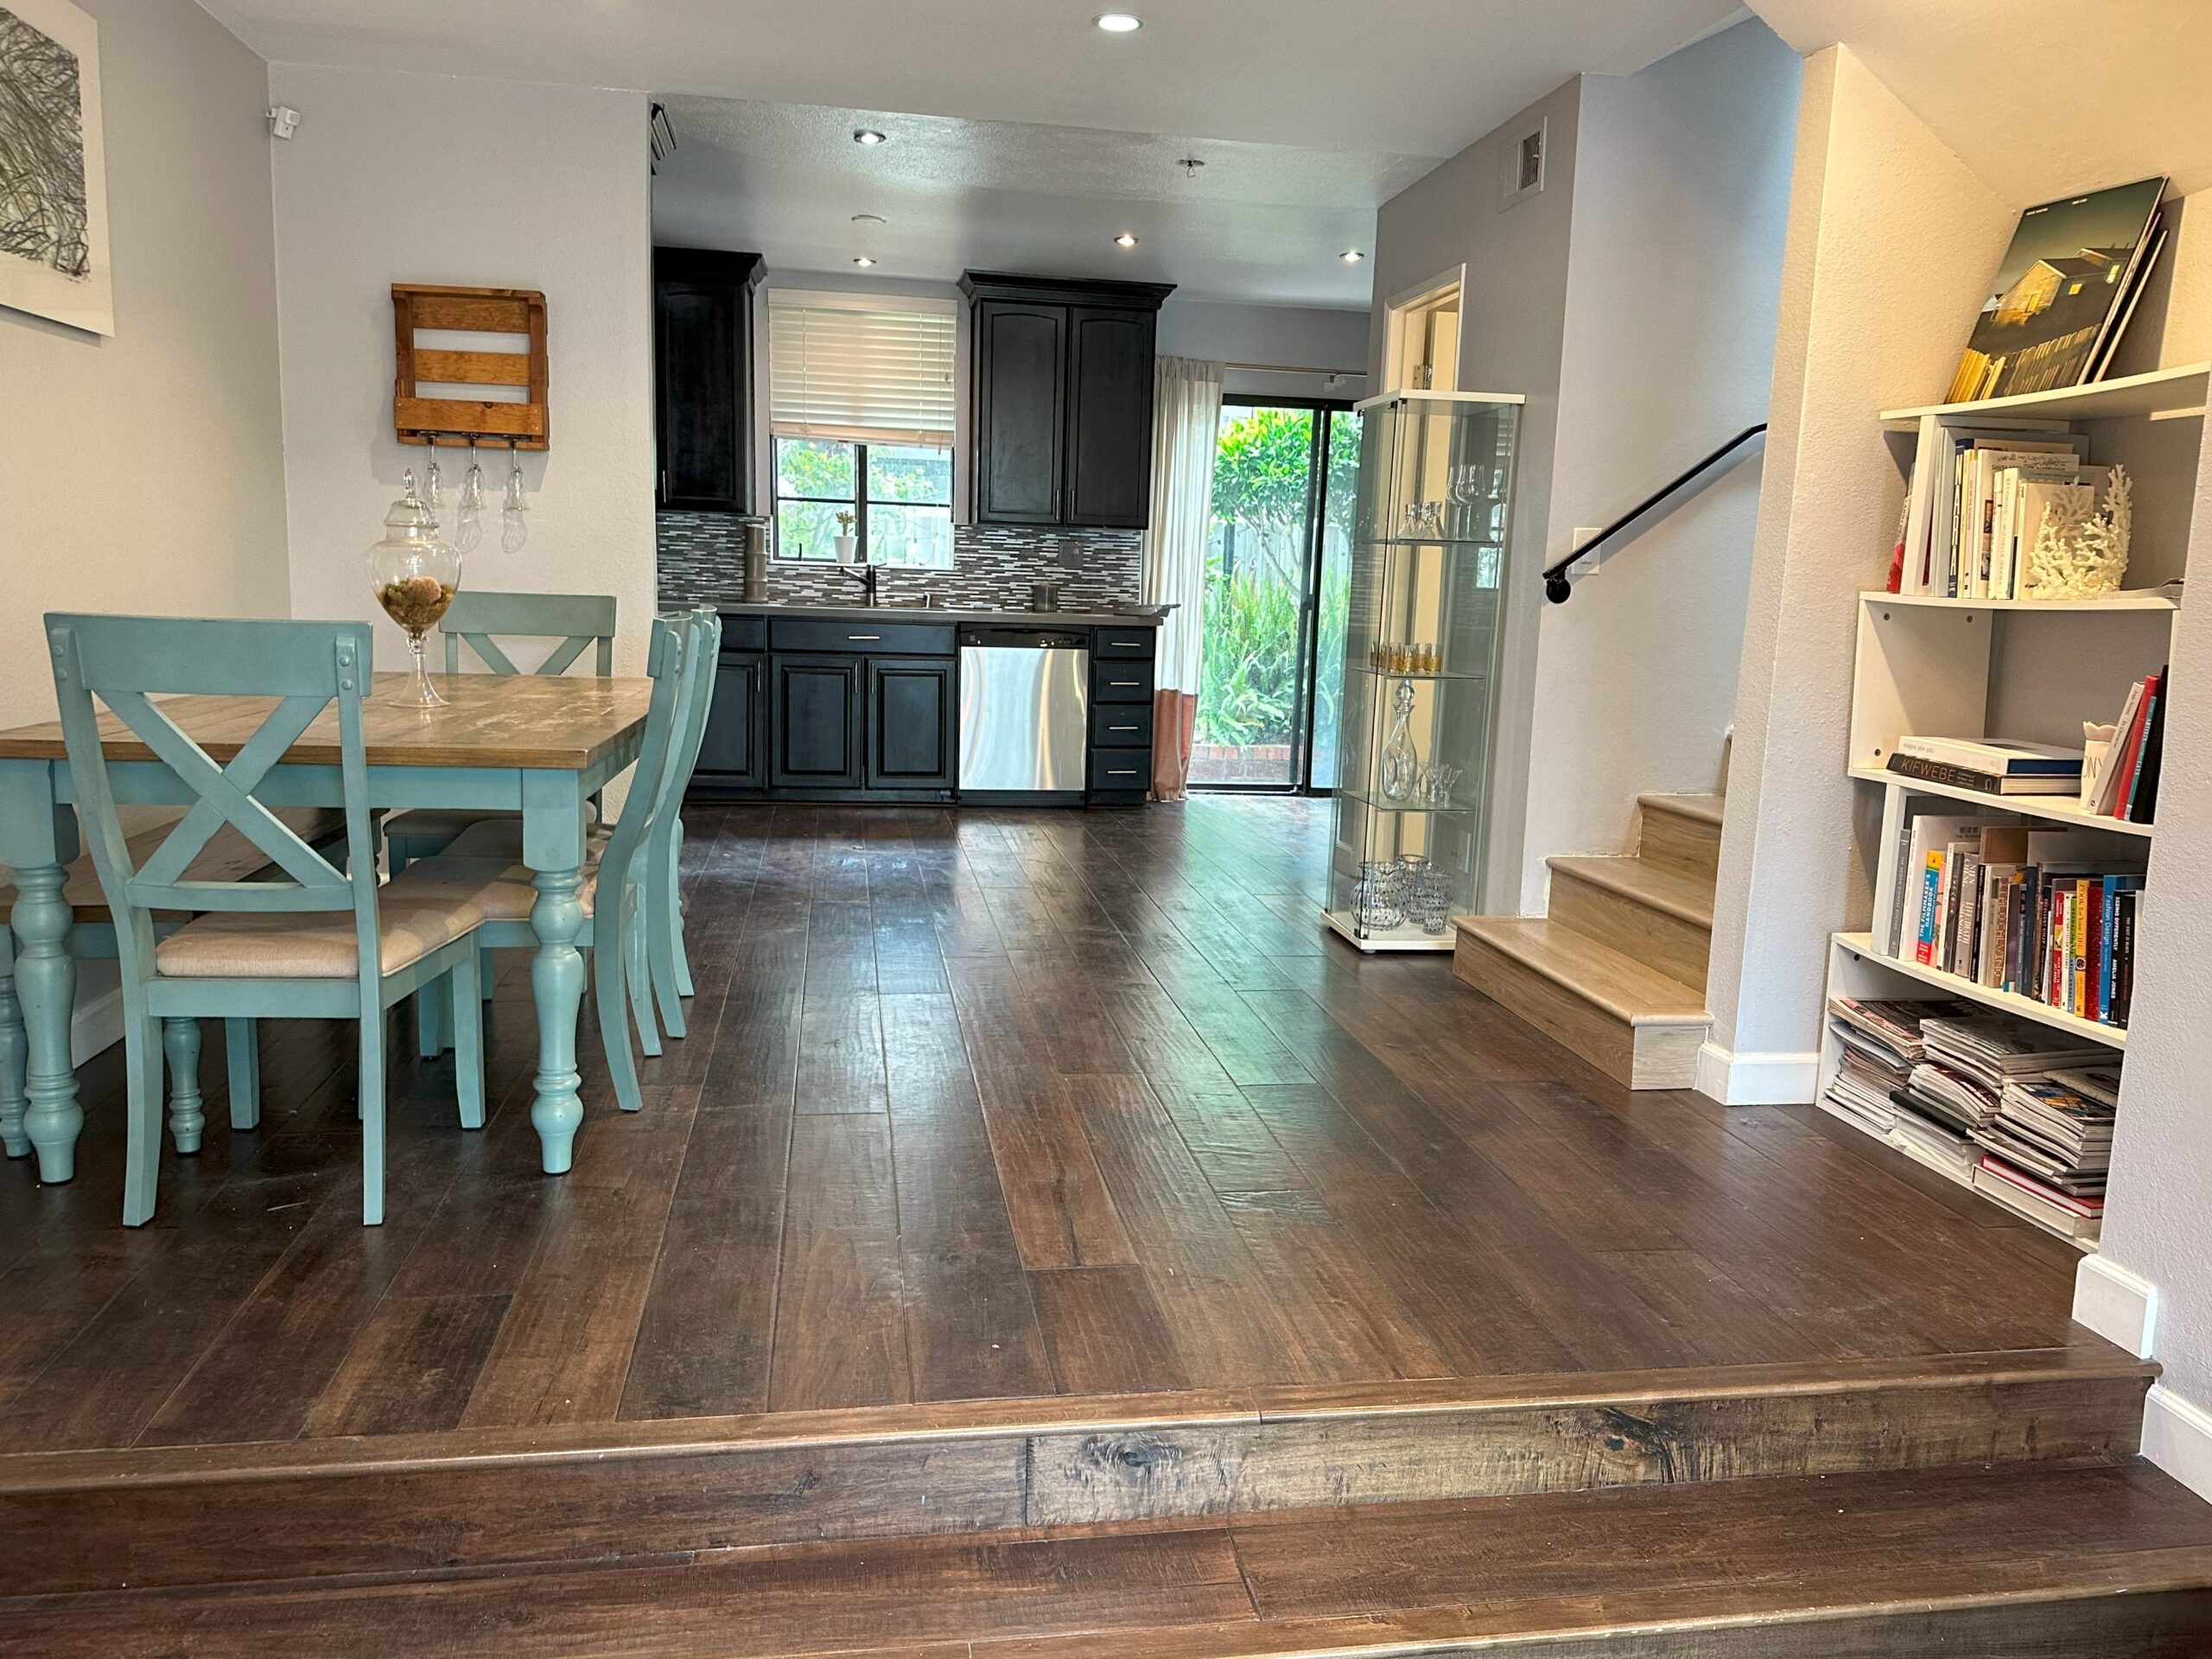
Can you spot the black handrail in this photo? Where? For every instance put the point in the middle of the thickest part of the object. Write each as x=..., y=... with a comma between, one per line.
x=1556, y=585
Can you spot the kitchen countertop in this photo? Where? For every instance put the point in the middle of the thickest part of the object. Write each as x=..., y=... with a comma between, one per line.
x=941, y=613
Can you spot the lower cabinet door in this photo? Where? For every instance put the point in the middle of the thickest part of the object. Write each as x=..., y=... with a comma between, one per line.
x=817, y=721
x=912, y=712
x=730, y=755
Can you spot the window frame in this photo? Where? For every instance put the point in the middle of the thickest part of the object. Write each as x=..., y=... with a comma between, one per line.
x=858, y=501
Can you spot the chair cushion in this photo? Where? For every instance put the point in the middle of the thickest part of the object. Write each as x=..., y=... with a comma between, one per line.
x=499, y=887
x=501, y=838
x=443, y=824
x=414, y=919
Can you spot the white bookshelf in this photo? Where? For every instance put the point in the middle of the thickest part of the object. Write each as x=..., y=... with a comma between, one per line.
x=1935, y=666
x=2044, y=809
x=2168, y=394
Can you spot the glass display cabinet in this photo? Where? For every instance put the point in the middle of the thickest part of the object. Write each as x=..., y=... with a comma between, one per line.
x=1421, y=665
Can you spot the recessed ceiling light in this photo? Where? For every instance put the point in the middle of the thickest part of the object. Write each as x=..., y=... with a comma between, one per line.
x=868, y=218
x=1125, y=240
x=868, y=137
x=863, y=261
x=1352, y=256
x=1119, y=22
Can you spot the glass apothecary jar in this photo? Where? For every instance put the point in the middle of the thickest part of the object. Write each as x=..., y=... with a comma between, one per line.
x=1420, y=665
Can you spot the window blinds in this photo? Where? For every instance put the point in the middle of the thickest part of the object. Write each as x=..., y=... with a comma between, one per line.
x=869, y=368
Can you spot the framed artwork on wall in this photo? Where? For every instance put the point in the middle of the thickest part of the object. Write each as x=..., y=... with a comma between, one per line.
x=54, y=250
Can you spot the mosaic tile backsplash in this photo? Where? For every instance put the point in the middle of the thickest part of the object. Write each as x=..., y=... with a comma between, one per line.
x=700, y=561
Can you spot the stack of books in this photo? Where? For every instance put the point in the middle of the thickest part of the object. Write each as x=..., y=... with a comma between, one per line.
x=1977, y=503
x=2045, y=913
x=1994, y=765
x=2125, y=783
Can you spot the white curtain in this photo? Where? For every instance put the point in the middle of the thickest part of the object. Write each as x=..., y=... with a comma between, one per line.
x=1186, y=429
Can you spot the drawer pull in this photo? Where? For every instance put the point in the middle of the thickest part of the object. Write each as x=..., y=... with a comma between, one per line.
x=1125, y=682
x=1121, y=772
x=857, y=638
x=1121, y=728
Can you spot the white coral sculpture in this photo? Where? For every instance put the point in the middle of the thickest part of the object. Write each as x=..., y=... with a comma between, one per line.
x=2081, y=549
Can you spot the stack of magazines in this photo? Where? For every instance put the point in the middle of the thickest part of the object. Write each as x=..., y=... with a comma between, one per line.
x=1882, y=1044
x=2048, y=1152
x=1994, y=1048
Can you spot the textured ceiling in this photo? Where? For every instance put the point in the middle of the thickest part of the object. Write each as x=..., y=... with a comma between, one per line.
x=1259, y=222
x=2039, y=99
x=1420, y=77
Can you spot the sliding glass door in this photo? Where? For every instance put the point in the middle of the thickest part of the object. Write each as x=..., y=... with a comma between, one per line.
x=1276, y=588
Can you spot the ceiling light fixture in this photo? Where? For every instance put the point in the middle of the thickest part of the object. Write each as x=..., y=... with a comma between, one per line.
x=1125, y=240
x=868, y=137
x=1352, y=256
x=1119, y=22
x=863, y=261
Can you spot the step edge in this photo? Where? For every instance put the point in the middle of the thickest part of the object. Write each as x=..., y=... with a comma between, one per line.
x=1408, y=1632
x=1471, y=924
x=122, y=1469
x=1680, y=803
x=1594, y=870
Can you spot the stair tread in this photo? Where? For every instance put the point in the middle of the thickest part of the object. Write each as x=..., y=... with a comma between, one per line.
x=1637, y=878
x=1706, y=809
x=1618, y=984
x=1581, y=1567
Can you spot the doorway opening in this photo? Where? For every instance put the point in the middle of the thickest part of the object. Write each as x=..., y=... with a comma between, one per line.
x=1277, y=589
x=1421, y=338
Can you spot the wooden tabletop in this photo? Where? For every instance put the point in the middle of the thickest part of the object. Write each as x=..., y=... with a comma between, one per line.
x=538, y=723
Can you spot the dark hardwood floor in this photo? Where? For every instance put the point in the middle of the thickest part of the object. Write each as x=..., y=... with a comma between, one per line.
x=980, y=1104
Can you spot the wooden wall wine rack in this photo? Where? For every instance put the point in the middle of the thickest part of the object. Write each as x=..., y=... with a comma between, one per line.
x=516, y=311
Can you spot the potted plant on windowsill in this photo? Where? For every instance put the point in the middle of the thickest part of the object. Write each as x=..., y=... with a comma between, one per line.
x=846, y=541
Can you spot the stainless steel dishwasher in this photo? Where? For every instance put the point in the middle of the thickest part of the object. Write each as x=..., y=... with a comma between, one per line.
x=1024, y=712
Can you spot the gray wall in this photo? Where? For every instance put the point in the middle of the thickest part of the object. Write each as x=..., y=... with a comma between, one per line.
x=145, y=471
x=1681, y=205
x=1513, y=313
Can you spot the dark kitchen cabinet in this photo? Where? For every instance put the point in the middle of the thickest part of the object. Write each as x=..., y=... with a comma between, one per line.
x=1062, y=378
x=817, y=721
x=913, y=714
x=731, y=754
x=703, y=373
x=1020, y=391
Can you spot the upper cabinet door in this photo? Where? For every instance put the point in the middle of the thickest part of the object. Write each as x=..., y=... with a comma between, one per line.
x=1109, y=417
x=702, y=337
x=1020, y=354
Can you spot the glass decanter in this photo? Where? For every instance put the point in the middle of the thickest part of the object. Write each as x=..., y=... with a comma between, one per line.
x=1401, y=765
x=414, y=575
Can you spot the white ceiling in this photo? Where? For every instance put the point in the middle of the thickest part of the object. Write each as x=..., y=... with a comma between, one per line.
x=1418, y=77
x=2038, y=98
x=1258, y=222
x=1025, y=137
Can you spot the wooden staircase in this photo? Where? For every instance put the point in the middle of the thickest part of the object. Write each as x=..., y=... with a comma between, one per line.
x=1956, y=1504
x=1615, y=970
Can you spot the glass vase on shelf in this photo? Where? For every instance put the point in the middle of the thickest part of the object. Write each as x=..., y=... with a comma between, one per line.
x=415, y=574
x=1401, y=765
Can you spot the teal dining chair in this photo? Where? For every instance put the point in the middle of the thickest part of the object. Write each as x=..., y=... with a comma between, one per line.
x=314, y=939
x=574, y=622
x=479, y=868
x=669, y=962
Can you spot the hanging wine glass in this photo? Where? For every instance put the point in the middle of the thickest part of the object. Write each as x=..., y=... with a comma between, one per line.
x=469, y=511
x=414, y=577
x=434, y=489
x=514, y=529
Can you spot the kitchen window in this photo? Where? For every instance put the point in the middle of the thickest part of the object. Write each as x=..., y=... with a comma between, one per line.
x=860, y=398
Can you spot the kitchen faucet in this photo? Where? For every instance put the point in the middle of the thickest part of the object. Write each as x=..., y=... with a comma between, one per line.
x=864, y=575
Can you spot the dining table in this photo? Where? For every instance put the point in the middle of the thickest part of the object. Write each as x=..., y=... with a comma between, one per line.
x=540, y=746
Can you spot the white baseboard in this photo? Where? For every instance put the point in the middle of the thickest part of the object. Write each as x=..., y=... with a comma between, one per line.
x=2118, y=1305
x=96, y=1026
x=2178, y=1437
x=1756, y=1079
